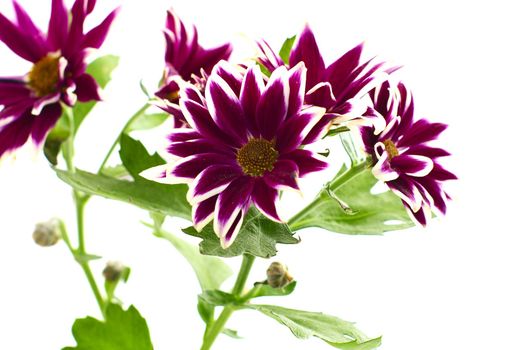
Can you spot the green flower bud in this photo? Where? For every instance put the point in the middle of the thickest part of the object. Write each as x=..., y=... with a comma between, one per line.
x=278, y=276
x=113, y=271
x=47, y=234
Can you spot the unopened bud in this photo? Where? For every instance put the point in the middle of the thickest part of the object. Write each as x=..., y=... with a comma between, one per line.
x=47, y=234
x=113, y=271
x=278, y=276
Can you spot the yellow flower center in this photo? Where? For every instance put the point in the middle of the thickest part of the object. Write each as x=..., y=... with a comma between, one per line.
x=44, y=76
x=257, y=157
x=173, y=96
x=391, y=149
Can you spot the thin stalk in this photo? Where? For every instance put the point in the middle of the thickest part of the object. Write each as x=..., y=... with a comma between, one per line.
x=132, y=119
x=80, y=200
x=217, y=326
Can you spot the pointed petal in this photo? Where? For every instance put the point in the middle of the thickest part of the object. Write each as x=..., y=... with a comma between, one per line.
x=183, y=134
x=15, y=134
x=211, y=181
x=188, y=148
x=273, y=105
x=341, y=68
x=420, y=132
x=19, y=42
x=199, y=118
x=297, y=89
x=321, y=95
x=44, y=122
x=228, y=238
x=320, y=129
x=251, y=91
x=305, y=49
x=31, y=30
x=265, y=198
x=382, y=169
x=417, y=166
x=294, y=130
x=283, y=176
x=58, y=24
x=407, y=191
x=95, y=37
x=187, y=169
x=203, y=213
x=229, y=74
x=307, y=161
x=226, y=108
x=87, y=89
x=228, y=212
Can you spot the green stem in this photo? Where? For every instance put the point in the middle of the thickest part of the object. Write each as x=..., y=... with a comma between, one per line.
x=295, y=222
x=217, y=326
x=132, y=119
x=80, y=199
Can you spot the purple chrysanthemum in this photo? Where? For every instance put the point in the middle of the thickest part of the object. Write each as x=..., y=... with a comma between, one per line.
x=186, y=60
x=31, y=103
x=402, y=155
x=333, y=87
x=245, y=144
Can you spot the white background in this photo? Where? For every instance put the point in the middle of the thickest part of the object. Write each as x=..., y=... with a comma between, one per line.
x=459, y=284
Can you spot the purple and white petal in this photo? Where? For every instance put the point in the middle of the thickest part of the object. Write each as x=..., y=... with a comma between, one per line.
x=294, y=130
x=382, y=169
x=297, y=88
x=283, y=176
x=211, y=181
x=307, y=161
x=417, y=166
x=265, y=198
x=226, y=108
x=44, y=122
x=229, y=208
x=203, y=213
x=251, y=91
x=305, y=49
x=273, y=105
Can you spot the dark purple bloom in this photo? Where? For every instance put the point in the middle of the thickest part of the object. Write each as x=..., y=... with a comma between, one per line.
x=32, y=103
x=402, y=155
x=186, y=60
x=245, y=144
x=334, y=87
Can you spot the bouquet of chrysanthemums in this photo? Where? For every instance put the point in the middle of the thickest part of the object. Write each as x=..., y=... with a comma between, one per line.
x=238, y=135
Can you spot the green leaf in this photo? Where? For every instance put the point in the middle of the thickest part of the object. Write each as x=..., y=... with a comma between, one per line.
x=264, y=69
x=285, y=50
x=118, y=171
x=152, y=196
x=135, y=157
x=122, y=330
x=347, y=206
x=265, y=290
x=210, y=271
x=231, y=333
x=101, y=70
x=218, y=298
x=304, y=324
x=146, y=121
x=258, y=236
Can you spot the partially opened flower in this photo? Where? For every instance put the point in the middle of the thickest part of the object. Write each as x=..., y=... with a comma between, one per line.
x=334, y=87
x=245, y=144
x=186, y=60
x=402, y=155
x=32, y=103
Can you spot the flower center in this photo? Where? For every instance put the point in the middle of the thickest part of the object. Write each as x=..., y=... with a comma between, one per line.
x=257, y=157
x=173, y=96
x=44, y=76
x=391, y=149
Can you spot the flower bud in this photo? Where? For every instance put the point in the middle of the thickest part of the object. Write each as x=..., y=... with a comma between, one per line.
x=113, y=271
x=47, y=234
x=278, y=276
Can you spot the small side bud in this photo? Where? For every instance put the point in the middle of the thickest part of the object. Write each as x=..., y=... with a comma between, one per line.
x=278, y=276
x=113, y=271
x=47, y=234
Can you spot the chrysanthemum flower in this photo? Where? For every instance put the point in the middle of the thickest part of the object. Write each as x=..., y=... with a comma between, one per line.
x=245, y=144
x=186, y=60
x=31, y=103
x=402, y=155
x=334, y=87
